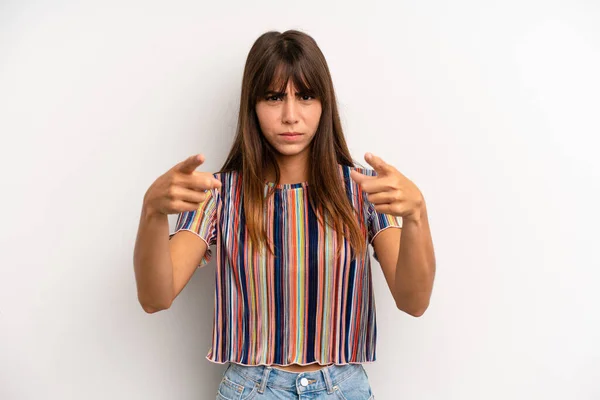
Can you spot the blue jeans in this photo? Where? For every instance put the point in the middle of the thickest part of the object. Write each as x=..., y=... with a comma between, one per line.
x=333, y=382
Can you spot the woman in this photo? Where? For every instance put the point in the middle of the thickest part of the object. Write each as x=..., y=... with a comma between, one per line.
x=291, y=216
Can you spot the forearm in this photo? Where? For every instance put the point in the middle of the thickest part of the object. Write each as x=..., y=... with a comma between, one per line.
x=152, y=262
x=415, y=269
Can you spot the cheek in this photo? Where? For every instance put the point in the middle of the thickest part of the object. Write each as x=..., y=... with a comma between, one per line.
x=265, y=118
x=316, y=111
x=316, y=116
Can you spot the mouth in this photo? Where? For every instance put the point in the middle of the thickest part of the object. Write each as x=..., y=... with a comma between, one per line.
x=290, y=135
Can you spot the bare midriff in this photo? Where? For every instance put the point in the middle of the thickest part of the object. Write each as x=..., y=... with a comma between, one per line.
x=300, y=368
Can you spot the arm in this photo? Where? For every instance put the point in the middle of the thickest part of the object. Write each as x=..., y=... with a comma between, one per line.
x=407, y=259
x=164, y=263
x=163, y=267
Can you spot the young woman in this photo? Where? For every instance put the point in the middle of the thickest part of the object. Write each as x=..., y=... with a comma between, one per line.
x=291, y=216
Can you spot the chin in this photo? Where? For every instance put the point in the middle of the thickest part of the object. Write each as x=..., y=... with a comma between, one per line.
x=290, y=152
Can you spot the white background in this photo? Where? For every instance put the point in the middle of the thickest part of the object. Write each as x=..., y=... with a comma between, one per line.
x=491, y=108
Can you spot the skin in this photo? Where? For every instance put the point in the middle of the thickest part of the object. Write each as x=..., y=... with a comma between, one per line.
x=292, y=112
x=405, y=254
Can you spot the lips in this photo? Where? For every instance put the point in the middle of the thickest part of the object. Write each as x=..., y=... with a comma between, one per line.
x=290, y=134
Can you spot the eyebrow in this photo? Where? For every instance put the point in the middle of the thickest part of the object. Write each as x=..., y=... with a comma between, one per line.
x=283, y=94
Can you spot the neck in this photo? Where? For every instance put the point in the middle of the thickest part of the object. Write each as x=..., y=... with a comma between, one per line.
x=292, y=169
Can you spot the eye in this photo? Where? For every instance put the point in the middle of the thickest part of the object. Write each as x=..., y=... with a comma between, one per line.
x=269, y=98
x=307, y=95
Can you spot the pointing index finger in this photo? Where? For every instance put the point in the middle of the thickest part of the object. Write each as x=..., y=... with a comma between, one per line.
x=380, y=166
x=190, y=164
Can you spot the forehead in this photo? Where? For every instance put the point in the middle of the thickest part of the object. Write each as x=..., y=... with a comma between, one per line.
x=276, y=85
x=278, y=80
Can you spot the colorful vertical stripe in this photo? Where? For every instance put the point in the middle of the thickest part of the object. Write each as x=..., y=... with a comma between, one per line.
x=301, y=305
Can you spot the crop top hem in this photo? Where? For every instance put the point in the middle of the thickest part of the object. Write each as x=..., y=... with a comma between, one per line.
x=286, y=365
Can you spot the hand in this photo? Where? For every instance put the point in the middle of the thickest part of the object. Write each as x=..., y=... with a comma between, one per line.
x=390, y=191
x=180, y=189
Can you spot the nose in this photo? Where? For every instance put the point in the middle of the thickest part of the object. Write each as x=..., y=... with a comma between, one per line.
x=290, y=111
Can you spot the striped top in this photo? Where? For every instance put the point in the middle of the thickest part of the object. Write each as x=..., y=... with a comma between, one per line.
x=301, y=305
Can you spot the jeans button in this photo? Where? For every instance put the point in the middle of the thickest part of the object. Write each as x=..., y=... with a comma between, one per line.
x=304, y=382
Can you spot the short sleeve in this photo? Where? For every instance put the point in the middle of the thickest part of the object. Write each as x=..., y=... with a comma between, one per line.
x=376, y=221
x=379, y=221
x=202, y=222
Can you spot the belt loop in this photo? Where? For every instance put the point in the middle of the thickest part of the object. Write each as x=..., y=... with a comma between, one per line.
x=327, y=379
x=264, y=379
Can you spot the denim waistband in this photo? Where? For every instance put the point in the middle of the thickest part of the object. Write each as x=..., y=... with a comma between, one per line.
x=325, y=378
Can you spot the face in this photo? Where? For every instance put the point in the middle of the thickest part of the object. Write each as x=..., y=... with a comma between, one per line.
x=282, y=113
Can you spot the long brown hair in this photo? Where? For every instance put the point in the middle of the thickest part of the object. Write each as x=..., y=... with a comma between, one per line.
x=292, y=54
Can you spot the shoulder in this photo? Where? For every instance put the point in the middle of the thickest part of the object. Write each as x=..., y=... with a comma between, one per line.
x=223, y=174
x=226, y=177
x=352, y=188
x=363, y=170
x=345, y=169
x=230, y=182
